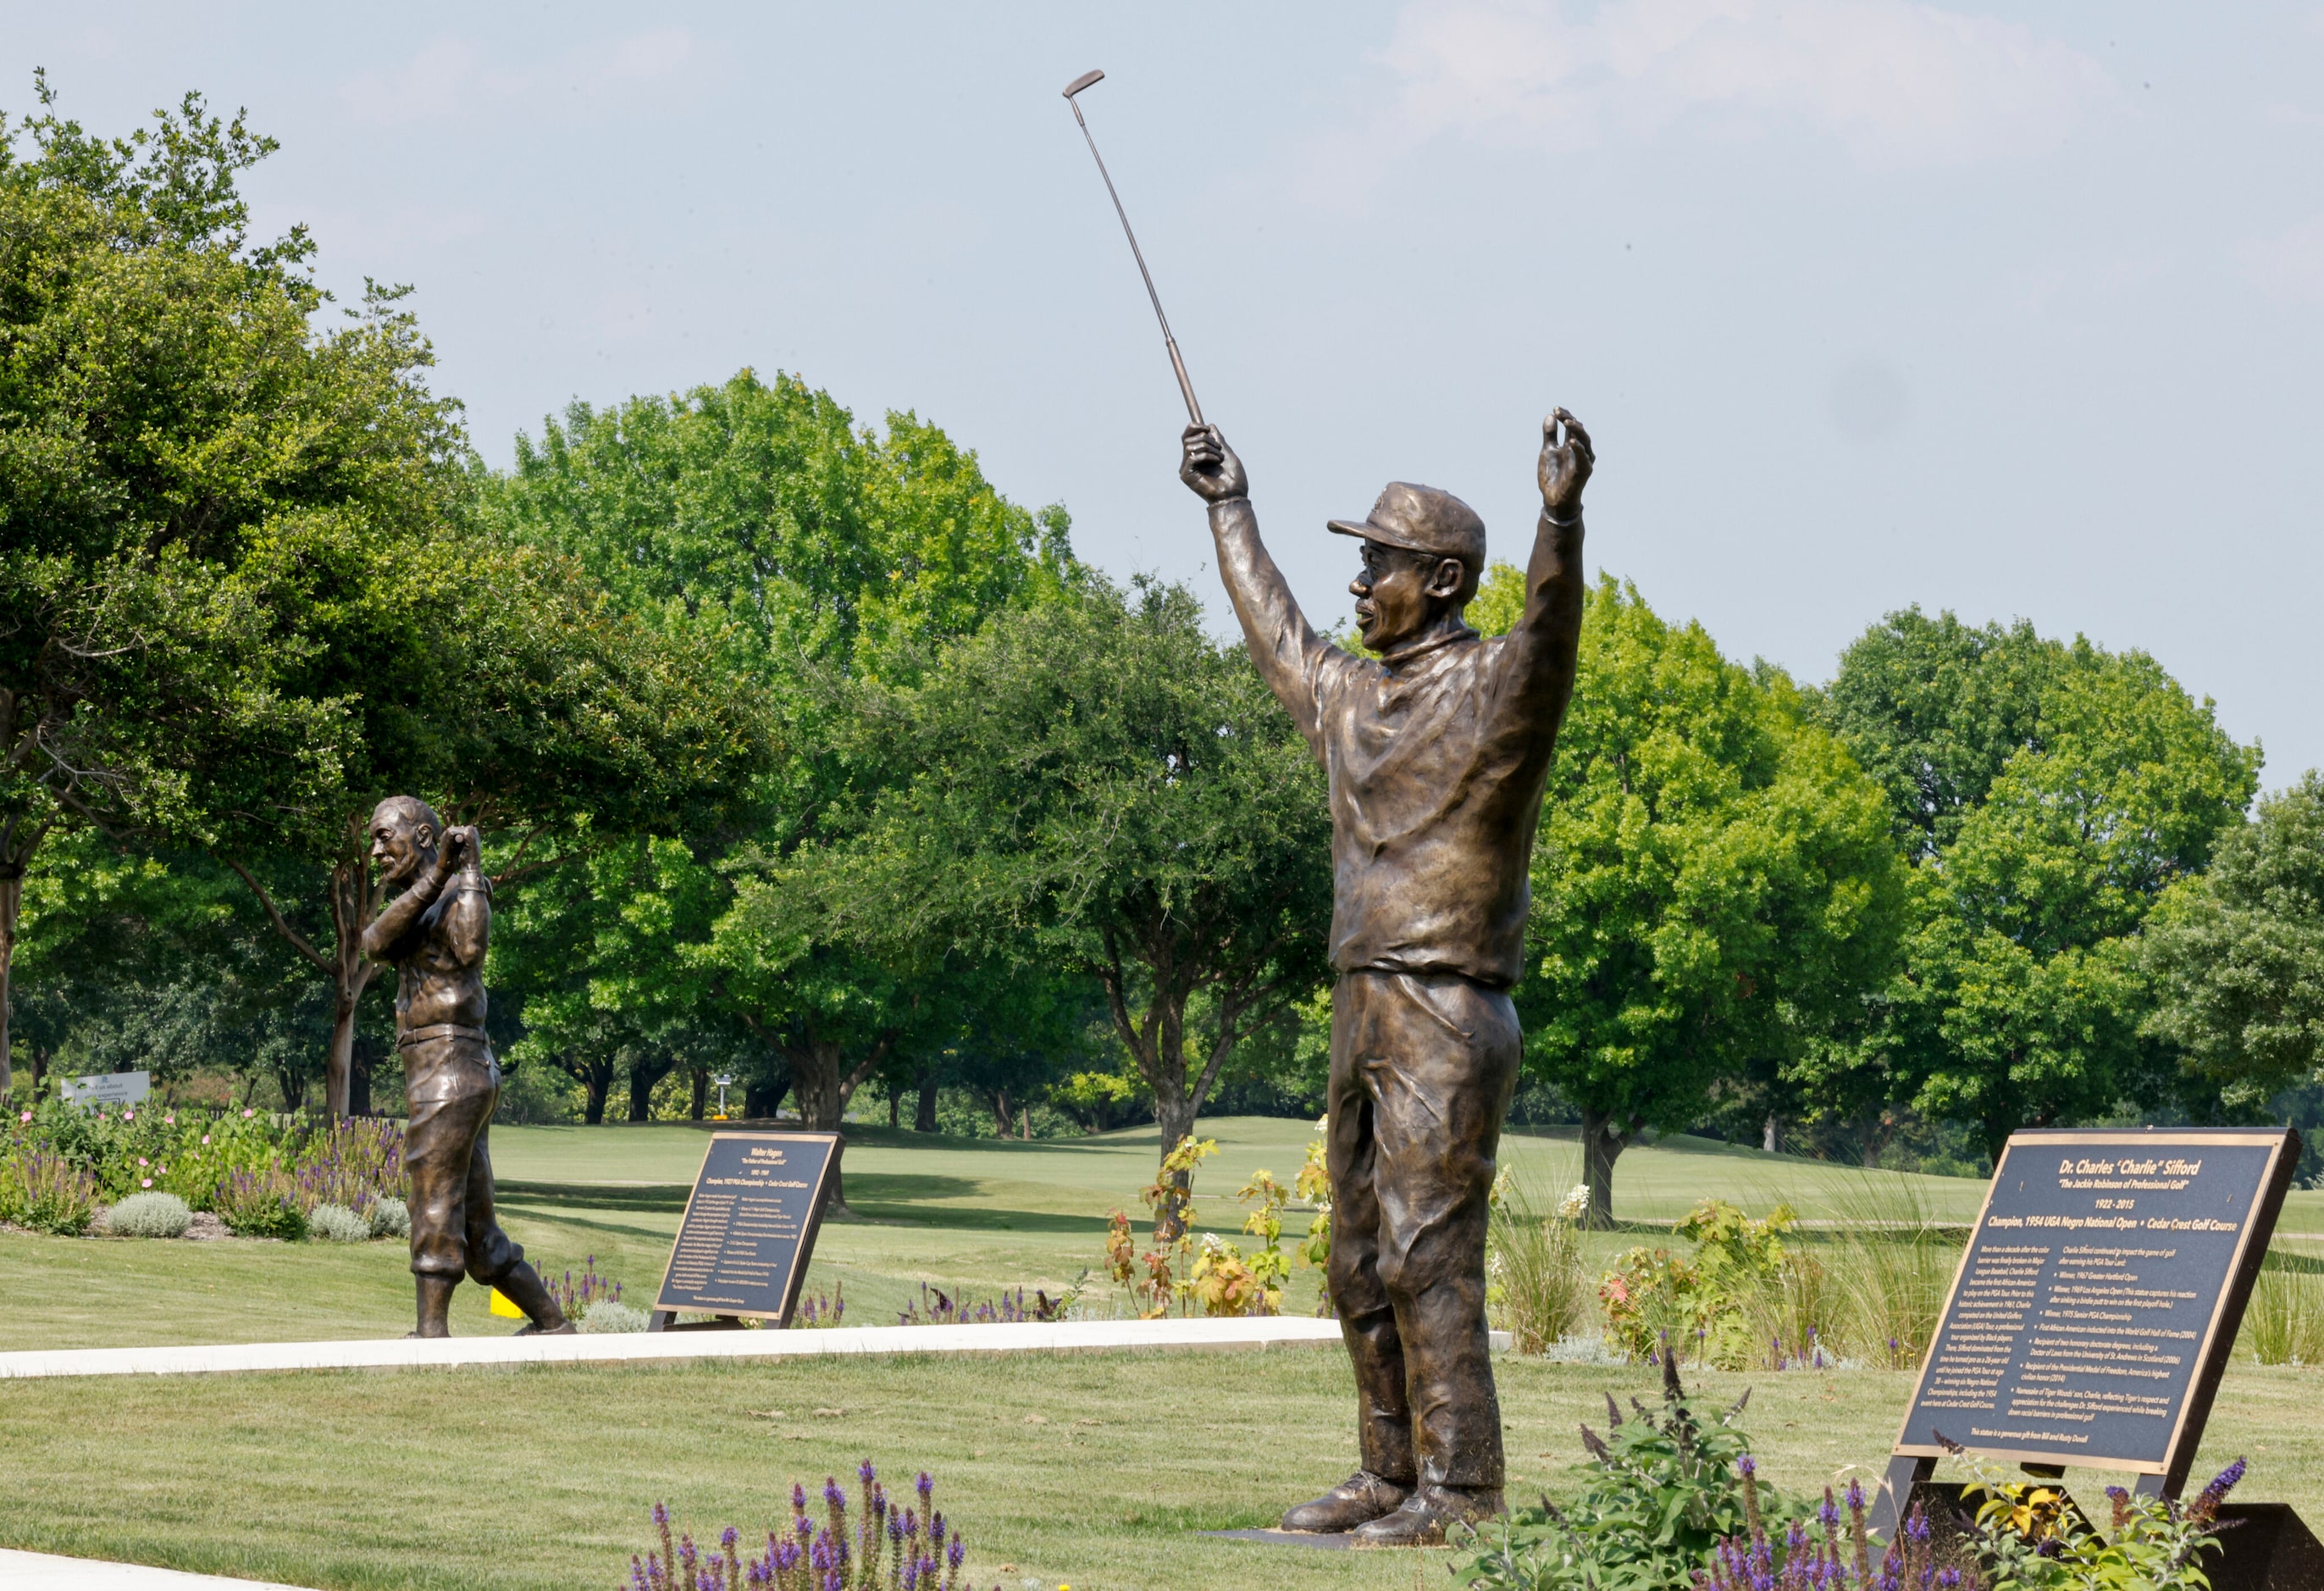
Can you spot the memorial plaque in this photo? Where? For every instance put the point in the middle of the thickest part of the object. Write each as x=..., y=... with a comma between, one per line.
x=2098, y=1299
x=749, y=1226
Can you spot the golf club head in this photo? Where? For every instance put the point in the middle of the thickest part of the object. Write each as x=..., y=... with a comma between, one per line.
x=1082, y=82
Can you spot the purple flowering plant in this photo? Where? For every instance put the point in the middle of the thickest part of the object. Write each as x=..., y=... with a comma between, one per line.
x=897, y=1543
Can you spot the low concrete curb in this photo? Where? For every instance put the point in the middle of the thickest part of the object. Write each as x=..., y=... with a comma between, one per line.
x=404, y=1353
x=42, y=1571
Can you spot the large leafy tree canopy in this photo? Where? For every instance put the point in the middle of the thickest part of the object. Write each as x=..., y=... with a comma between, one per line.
x=816, y=558
x=2053, y=792
x=2238, y=956
x=1712, y=885
x=1095, y=783
x=169, y=416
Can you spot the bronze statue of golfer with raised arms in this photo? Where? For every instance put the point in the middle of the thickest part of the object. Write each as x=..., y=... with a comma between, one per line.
x=1436, y=749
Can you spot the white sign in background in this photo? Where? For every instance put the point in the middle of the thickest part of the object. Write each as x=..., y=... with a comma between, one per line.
x=109, y=1089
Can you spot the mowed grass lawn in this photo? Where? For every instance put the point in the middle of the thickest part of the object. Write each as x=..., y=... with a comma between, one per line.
x=1096, y=1470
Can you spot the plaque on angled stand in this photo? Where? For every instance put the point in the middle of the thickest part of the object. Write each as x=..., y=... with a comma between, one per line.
x=2092, y=1317
x=748, y=1230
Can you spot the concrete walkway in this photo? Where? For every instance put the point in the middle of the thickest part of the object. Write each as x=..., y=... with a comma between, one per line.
x=404, y=1353
x=39, y=1571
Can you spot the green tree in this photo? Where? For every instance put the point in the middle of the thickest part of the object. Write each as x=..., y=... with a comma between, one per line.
x=2238, y=955
x=1714, y=886
x=812, y=558
x=166, y=411
x=1097, y=786
x=2021, y=999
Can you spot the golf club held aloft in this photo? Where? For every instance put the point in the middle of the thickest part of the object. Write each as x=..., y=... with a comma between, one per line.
x=1185, y=387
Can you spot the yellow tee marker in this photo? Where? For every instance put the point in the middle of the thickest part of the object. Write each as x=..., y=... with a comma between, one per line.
x=502, y=1306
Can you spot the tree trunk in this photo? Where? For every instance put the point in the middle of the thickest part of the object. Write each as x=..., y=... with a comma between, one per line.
x=701, y=1094
x=1771, y=1135
x=1025, y=1124
x=596, y=1078
x=895, y=1109
x=644, y=1077
x=12, y=900
x=1003, y=1118
x=761, y=1100
x=353, y=904
x=924, y=1116
x=1603, y=1139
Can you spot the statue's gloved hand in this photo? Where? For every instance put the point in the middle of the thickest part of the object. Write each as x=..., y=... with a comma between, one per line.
x=1565, y=466
x=1211, y=469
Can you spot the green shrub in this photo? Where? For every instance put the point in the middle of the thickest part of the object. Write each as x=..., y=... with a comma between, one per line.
x=1658, y=1495
x=263, y=1202
x=47, y=1193
x=611, y=1314
x=338, y=1224
x=391, y=1217
x=149, y=1214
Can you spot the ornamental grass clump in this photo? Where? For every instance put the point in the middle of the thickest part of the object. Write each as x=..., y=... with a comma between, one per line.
x=260, y=1203
x=46, y=1192
x=897, y=1543
x=149, y=1214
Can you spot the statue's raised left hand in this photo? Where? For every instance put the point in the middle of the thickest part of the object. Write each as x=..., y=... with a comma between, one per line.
x=1565, y=466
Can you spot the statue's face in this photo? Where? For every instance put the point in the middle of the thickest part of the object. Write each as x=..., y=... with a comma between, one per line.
x=400, y=847
x=1399, y=593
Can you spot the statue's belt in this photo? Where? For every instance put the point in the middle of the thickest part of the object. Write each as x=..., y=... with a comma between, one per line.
x=442, y=1029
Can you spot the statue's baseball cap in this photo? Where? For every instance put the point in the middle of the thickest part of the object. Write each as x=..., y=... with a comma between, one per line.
x=1422, y=519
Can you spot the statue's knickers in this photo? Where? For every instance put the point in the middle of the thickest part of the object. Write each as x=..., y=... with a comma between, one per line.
x=1422, y=1070
x=453, y=1084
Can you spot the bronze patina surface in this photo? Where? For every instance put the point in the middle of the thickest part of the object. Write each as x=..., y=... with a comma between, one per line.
x=435, y=933
x=1436, y=749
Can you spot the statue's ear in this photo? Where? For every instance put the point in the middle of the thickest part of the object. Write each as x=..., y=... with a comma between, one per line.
x=425, y=833
x=1446, y=578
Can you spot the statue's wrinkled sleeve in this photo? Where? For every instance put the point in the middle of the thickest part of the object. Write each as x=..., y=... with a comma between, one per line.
x=1542, y=645
x=466, y=930
x=388, y=936
x=1290, y=655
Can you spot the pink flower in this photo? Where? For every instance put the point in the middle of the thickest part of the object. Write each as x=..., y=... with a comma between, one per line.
x=128, y=1116
x=147, y=1182
x=168, y=1121
x=140, y=1159
x=248, y=1114
x=25, y=1117
x=206, y=1137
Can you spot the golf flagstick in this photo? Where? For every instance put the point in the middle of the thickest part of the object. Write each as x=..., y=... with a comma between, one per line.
x=1194, y=409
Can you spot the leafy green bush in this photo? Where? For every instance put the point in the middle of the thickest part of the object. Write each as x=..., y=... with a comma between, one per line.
x=338, y=1224
x=2028, y=1537
x=149, y=1214
x=391, y=1217
x=263, y=1202
x=1703, y=1302
x=1658, y=1495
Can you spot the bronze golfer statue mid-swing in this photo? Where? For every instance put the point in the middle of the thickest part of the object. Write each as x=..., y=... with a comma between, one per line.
x=435, y=932
x=1436, y=749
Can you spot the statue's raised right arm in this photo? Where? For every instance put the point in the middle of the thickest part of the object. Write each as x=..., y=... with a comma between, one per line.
x=1282, y=642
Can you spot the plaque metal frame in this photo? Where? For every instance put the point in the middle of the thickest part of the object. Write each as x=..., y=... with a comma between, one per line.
x=664, y=1314
x=1912, y=1463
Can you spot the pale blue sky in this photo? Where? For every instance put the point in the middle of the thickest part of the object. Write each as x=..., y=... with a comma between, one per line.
x=2015, y=313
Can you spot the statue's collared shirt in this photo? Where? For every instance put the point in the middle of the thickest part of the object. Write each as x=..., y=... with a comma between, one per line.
x=1437, y=758
x=1436, y=778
